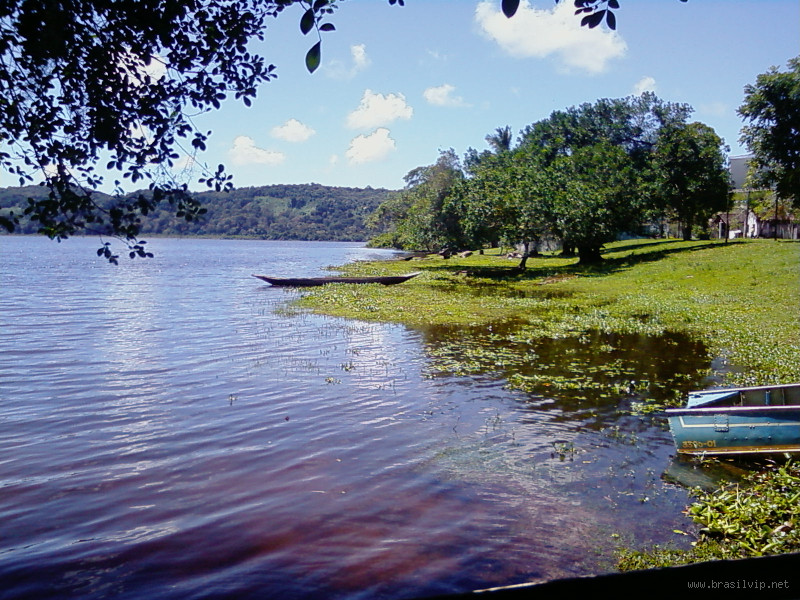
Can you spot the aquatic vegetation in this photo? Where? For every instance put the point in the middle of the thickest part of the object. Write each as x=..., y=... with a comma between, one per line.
x=753, y=518
x=564, y=449
x=655, y=319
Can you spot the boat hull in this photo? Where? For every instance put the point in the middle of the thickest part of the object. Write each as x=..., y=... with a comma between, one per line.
x=759, y=420
x=736, y=431
x=317, y=281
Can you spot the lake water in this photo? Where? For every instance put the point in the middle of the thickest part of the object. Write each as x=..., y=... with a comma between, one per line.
x=171, y=428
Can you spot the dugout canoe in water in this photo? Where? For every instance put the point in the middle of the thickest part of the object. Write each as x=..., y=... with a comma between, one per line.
x=315, y=281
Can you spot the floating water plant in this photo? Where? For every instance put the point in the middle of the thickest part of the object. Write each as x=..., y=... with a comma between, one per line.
x=753, y=518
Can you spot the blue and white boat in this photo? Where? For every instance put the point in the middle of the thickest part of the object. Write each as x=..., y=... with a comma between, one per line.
x=752, y=420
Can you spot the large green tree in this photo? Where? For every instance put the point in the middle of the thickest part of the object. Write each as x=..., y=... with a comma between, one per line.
x=771, y=110
x=415, y=218
x=594, y=197
x=631, y=126
x=572, y=177
x=504, y=199
x=689, y=175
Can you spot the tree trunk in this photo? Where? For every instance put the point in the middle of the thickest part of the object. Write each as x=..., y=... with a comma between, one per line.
x=526, y=252
x=589, y=255
x=688, y=225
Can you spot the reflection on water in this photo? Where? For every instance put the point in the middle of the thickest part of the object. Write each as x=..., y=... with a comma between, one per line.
x=170, y=430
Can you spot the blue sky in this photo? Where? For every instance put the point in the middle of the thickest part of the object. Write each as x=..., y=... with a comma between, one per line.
x=399, y=84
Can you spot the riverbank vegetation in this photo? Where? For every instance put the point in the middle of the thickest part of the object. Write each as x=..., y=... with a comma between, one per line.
x=579, y=179
x=755, y=517
x=578, y=182
x=591, y=174
x=739, y=298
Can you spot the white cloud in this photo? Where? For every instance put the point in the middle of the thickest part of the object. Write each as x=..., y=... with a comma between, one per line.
x=556, y=32
x=442, y=95
x=376, y=110
x=437, y=56
x=293, y=131
x=715, y=109
x=369, y=148
x=360, y=59
x=245, y=152
x=337, y=69
x=645, y=84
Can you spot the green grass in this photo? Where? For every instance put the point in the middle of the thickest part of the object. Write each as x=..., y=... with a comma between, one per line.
x=741, y=298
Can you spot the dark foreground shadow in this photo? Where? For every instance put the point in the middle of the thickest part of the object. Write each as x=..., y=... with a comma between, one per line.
x=764, y=577
x=542, y=266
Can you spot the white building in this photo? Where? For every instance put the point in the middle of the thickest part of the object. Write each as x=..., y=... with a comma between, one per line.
x=738, y=168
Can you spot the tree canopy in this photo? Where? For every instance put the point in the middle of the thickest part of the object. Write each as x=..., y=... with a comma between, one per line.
x=689, y=174
x=416, y=217
x=274, y=212
x=583, y=176
x=771, y=109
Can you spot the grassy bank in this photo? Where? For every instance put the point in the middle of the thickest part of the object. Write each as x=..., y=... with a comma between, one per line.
x=740, y=298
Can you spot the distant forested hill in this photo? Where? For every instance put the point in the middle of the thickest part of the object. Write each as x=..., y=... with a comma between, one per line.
x=276, y=212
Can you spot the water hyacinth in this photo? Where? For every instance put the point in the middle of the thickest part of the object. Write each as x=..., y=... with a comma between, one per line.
x=755, y=517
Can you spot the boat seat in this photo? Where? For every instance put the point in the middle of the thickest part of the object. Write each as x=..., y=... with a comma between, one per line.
x=752, y=398
x=791, y=395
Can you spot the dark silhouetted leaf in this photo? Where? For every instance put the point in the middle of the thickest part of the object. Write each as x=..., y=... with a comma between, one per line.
x=594, y=19
x=314, y=57
x=307, y=22
x=611, y=20
x=510, y=7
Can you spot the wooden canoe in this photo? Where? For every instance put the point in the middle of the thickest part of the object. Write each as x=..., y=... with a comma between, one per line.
x=315, y=281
